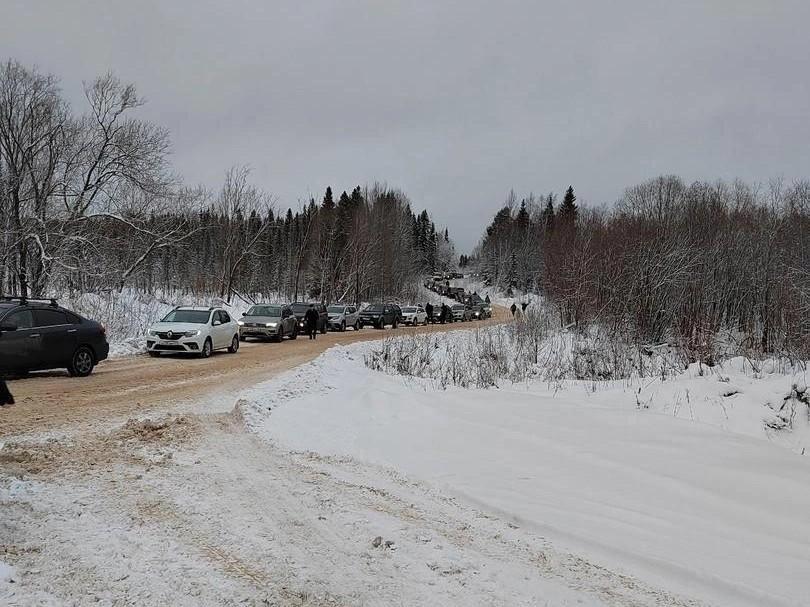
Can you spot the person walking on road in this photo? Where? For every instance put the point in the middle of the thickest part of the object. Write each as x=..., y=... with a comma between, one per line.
x=311, y=319
x=5, y=395
x=429, y=312
x=513, y=308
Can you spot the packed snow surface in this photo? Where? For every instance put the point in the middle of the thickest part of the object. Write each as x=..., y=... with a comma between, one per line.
x=681, y=483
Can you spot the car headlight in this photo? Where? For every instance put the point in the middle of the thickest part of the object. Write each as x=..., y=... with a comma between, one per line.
x=270, y=325
x=241, y=323
x=191, y=333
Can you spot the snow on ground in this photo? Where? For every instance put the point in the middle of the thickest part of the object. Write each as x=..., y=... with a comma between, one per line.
x=194, y=511
x=678, y=484
x=7, y=575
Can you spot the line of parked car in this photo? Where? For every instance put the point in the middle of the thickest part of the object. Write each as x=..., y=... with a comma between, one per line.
x=39, y=334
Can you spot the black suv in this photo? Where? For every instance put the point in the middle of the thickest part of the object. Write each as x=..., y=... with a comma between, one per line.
x=39, y=334
x=300, y=310
x=378, y=315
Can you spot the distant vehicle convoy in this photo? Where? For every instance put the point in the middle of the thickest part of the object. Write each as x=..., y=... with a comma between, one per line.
x=38, y=334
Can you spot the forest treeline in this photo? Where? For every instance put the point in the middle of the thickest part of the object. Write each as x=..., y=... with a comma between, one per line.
x=89, y=202
x=709, y=267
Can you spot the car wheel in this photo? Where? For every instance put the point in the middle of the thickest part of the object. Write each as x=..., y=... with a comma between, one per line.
x=234, y=347
x=343, y=326
x=280, y=335
x=394, y=324
x=207, y=348
x=82, y=363
x=357, y=326
x=323, y=329
x=294, y=333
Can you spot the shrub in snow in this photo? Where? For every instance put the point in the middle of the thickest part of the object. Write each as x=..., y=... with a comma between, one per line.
x=524, y=349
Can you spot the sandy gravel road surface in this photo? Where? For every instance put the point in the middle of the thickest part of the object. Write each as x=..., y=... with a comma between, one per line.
x=138, y=384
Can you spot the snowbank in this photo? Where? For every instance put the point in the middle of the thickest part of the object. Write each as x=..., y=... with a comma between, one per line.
x=690, y=494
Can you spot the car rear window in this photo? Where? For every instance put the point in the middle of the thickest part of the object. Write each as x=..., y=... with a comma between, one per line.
x=298, y=308
x=374, y=308
x=193, y=316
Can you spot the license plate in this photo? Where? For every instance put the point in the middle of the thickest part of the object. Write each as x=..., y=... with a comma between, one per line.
x=167, y=342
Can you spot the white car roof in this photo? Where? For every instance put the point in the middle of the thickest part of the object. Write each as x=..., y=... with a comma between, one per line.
x=196, y=308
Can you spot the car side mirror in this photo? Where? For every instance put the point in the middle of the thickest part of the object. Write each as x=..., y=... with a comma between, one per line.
x=216, y=323
x=7, y=327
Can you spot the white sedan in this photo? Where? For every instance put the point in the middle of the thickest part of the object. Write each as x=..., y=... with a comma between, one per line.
x=414, y=315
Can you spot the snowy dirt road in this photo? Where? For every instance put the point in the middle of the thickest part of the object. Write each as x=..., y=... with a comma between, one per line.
x=135, y=385
x=100, y=505
x=195, y=510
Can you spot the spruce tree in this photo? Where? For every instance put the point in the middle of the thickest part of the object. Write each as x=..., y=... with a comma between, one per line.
x=568, y=209
x=547, y=218
x=328, y=204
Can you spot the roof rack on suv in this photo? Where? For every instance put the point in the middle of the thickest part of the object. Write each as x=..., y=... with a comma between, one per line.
x=24, y=300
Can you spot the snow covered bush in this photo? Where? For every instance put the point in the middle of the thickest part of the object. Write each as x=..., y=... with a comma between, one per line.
x=527, y=348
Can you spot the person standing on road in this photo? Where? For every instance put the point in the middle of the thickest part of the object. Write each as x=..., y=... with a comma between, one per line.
x=311, y=319
x=429, y=312
x=513, y=308
x=5, y=395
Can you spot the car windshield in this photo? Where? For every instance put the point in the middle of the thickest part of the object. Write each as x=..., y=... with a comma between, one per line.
x=374, y=308
x=274, y=311
x=300, y=308
x=458, y=307
x=199, y=317
x=409, y=310
x=336, y=309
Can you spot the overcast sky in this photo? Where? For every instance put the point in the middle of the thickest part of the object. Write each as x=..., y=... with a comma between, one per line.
x=454, y=102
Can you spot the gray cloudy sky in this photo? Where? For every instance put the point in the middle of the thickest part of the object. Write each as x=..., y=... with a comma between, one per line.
x=455, y=102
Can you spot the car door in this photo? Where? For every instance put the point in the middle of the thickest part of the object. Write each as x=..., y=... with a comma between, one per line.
x=229, y=328
x=221, y=337
x=20, y=349
x=58, y=337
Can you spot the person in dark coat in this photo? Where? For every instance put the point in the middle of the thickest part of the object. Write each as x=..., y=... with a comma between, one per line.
x=5, y=395
x=311, y=319
x=513, y=308
x=524, y=305
x=429, y=311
